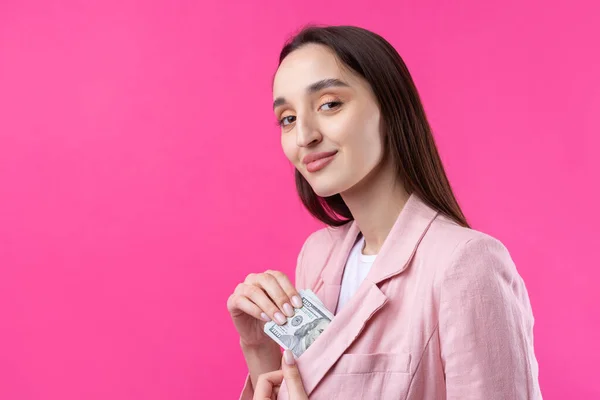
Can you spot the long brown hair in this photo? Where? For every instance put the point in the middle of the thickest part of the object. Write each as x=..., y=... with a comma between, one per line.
x=408, y=137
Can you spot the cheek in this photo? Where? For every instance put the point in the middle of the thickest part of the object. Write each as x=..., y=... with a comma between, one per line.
x=341, y=129
x=357, y=127
x=362, y=138
x=289, y=148
x=370, y=137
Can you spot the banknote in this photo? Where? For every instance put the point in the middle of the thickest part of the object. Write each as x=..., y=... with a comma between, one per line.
x=302, y=329
x=309, y=293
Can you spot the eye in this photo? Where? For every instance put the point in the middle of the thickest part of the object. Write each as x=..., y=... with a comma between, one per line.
x=331, y=104
x=285, y=121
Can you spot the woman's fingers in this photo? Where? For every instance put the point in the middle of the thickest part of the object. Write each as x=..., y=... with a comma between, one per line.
x=246, y=306
x=266, y=385
x=271, y=286
x=292, y=377
x=274, y=294
x=258, y=296
x=267, y=296
x=287, y=287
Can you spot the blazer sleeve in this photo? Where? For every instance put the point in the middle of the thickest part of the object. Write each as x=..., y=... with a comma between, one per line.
x=486, y=326
x=248, y=390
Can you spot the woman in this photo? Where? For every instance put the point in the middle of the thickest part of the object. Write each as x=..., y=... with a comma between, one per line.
x=425, y=307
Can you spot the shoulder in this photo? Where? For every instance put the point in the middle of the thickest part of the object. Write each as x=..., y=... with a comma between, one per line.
x=457, y=241
x=473, y=258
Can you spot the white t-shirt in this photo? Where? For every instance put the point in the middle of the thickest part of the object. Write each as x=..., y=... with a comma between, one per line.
x=356, y=269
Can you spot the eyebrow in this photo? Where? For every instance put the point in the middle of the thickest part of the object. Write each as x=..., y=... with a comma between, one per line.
x=313, y=88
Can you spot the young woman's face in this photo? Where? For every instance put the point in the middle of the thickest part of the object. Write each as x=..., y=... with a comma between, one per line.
x=325, y=108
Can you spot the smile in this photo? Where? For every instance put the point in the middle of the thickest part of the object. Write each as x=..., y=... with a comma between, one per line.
x=319, y=164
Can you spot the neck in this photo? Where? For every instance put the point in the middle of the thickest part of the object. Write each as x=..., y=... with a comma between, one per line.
x=375, y=204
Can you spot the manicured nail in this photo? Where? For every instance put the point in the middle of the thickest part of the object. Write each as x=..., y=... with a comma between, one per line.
x=289, y=357
x=265, y=317
x=280, y=318
x=289, y=311
x=297, y=302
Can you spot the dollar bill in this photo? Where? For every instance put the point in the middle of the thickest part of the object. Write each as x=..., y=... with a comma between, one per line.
x=309, y=293
x=304, y=327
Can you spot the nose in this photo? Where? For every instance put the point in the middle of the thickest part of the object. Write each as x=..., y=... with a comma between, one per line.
x=307, y=133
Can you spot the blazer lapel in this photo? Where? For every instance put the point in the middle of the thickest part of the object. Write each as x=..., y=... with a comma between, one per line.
x=403, y=240
x=394, y=257
x=334, y=270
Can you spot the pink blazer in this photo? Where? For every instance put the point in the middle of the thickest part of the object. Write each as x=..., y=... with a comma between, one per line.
x=442, y=314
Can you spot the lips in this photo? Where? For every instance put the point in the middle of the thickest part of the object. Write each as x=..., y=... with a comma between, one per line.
x=317, y=161
x=317, y=156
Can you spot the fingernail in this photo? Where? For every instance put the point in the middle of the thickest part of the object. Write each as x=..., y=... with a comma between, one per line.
x=289, y=357
x=280, y=318
x=265, y=317
x=297, y=302
x=289, y=311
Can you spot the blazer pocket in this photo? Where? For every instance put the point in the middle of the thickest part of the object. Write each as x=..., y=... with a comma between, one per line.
x=366, y=377
x=372, y=363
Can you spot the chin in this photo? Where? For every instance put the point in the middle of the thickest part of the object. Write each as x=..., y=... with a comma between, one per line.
x=326, y=190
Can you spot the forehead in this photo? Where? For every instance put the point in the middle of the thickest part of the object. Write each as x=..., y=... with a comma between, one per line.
x=307, y=65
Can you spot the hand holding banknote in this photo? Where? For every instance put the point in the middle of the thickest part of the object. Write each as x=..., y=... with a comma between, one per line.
x=304, y=327
x=261, y=298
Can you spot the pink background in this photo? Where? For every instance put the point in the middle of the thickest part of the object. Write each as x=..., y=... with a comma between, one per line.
x=141, y=177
